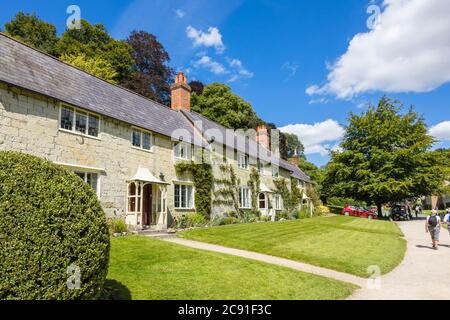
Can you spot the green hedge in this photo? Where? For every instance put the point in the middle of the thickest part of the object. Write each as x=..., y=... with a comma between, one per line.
x=51, y=225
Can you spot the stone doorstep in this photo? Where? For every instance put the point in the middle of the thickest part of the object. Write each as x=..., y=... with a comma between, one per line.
x=157, y=234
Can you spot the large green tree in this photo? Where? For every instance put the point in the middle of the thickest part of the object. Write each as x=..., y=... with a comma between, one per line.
x=95, y=66
x=220, y=104
x=93, y=42
x=30, y=29
x=385, y=157
x=293, y=145
x=152, y=76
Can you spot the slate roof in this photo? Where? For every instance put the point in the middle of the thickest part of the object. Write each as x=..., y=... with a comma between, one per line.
x=251, y=147
x=28, y=68
x=25, y=67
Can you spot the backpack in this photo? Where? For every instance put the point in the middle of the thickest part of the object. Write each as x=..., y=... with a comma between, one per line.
x=433, y=221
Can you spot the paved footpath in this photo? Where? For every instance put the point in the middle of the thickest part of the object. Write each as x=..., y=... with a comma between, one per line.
x=424, y=274
x=273, y=260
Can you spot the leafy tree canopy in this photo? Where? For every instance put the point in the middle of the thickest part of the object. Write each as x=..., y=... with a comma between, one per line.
x=152, y=76
x=95, y=66
x=220, y=104
x=30, y=29
x=197, y=87
x=385, y=157
x=293, y=145
x=93, y=41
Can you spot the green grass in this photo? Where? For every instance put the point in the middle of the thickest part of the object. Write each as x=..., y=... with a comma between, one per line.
x=345, y=244
x=145, y=269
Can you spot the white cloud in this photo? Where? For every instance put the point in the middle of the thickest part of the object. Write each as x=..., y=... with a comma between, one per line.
x=407, y=51
x=180, y=13
x=319, y=137
x=208, y=63
x=441, y=131
x=291, y=68
x=239, y=72
x=211, y=38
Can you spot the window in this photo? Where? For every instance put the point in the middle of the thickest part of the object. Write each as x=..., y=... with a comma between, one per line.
x=275, y=171
x=278, y=202
x=79, y=122
x=134, y=197
x=184, y=196
x=141, y=139
x=90, y=178
x=260, y=166
x=181, y=150
x=244, y=198
x=242, y=161
x=262, y=201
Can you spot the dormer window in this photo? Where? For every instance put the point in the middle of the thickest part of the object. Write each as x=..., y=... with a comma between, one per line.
x=78, y=121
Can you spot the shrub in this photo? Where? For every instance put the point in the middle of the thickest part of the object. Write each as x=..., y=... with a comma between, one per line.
x=190, y=220
x=321, y=210
x=304, y=214
x=51, y=225
x=117, y=225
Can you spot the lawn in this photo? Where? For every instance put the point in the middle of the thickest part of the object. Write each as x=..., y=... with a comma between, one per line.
x=146, y=269
x=341, y=243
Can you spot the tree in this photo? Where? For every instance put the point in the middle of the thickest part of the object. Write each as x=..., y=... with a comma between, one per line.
x=293, y=145
x=315, y=173
x=152, y=76
x=197, y=87
x=385, y=157
x=30, y=29
x=93, y=41
x=95, y=66
x=220, y=104
x=282, y=143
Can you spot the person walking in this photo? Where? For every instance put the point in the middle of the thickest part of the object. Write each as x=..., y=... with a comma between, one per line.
x=447, y=219
x=433, y=226
x=417, y=210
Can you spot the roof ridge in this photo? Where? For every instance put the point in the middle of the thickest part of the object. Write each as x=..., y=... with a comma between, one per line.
x=83, y=71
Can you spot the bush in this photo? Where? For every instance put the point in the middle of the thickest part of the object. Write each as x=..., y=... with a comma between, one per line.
x=117, y=225
x=304, y=214
x=190, y=220
x=321, y=211
x=51, y=224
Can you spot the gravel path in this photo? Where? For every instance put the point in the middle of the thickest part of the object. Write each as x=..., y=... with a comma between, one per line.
x=424, y=274
x=273, y=260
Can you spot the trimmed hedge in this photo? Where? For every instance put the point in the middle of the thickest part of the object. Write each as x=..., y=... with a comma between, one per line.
x=51, y=223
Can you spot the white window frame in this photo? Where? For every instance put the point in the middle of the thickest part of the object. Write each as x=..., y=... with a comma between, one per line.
x=142, y=132
x=184, y=145
x=245, y=198
x=278, y=202
x=85, y=179
x=191, y=200
x=243, y=161
x=275, y=171
x=76, y=111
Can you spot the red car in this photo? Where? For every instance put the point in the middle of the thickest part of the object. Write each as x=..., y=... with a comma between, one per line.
x=359, y=212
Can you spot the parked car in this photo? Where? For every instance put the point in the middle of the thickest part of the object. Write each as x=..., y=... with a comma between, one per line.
x=359, y=212
x=399, y=213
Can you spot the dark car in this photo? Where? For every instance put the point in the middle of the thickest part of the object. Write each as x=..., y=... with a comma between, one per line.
x=400, y=213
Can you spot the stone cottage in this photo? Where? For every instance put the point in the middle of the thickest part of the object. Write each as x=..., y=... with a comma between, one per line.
x=124, y=145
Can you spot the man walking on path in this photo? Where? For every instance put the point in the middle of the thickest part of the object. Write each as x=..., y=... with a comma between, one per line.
x=433, y=226
x=447, y=219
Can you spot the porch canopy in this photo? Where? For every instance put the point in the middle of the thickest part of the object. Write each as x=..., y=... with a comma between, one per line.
x=265, y=189
x=144, y=175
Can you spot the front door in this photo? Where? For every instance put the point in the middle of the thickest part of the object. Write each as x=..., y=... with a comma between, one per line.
x=147, y=201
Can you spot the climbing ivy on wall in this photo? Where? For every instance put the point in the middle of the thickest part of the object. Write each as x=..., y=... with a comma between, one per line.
x=229, y=194
x=254, y=185
x=203, y=183
x=291, y=198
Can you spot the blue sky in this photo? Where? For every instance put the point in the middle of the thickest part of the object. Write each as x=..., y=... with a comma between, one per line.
x=303, y=65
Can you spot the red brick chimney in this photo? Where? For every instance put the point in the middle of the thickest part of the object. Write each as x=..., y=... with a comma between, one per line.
x=262, y=136
x=181, y=93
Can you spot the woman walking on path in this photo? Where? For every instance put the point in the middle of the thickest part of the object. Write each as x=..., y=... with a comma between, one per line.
x=433, y=226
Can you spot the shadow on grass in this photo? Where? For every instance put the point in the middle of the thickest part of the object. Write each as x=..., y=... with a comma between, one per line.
x=114, y=290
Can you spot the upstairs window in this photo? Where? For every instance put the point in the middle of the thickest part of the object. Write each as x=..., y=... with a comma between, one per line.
x=182, y=150
x=141, y=139
x=79, y=121
x=275, y=171
x=243, y=161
